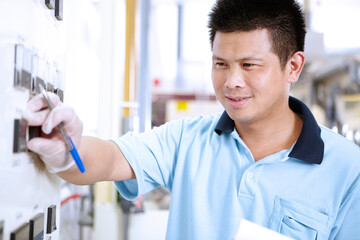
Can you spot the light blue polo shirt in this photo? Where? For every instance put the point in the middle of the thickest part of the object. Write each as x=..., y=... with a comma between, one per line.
x=310, y=191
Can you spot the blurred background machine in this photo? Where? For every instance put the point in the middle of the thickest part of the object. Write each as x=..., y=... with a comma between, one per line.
x=333, y=92
x=330, y=81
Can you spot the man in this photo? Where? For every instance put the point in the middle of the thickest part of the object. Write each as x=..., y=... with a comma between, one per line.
x=265, y=159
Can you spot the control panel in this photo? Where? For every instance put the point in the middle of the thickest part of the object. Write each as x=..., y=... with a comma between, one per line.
x=30, y=195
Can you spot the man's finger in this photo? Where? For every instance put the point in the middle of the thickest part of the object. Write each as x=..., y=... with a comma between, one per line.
x=35, y=118
x=46, y=147
x=61, y=113
x=38, y=102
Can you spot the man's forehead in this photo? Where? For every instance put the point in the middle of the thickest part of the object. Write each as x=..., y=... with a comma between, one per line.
x=239, y=46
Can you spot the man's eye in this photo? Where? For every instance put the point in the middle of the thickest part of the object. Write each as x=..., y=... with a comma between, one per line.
x=246, y=65
x=220, y=64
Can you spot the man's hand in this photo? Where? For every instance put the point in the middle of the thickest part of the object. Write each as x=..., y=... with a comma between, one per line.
x=51, y=145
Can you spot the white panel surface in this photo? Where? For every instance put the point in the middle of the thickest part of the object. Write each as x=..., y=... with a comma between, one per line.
x=26, y=188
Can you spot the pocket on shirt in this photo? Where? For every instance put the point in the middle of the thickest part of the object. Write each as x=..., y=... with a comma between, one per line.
x=297, y=220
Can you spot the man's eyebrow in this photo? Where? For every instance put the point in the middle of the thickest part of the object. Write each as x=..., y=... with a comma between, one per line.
x=214, y=57
x=256, y=58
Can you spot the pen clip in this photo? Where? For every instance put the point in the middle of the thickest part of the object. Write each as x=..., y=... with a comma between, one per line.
x=60, y=126
x=46, y=96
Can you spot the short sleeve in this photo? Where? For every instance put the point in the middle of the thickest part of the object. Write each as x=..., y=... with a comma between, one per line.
x=347, y=221
x=152, y=155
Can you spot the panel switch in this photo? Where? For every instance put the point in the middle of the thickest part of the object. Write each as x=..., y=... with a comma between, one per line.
x=23, y=79
x=20, y=127
x=34, y=132
x=50, y=87
x=1, y=230
x=23, y=66
x=37, y=227
x=51, y=219
x=60, y=93
x=59, y=9
x=37, y=82
x=20, y=233
x=50, y=4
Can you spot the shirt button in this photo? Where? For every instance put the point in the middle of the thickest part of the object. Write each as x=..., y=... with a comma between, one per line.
x=250, y=175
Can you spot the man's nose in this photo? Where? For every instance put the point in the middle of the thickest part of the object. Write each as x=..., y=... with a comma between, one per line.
x=235, y=79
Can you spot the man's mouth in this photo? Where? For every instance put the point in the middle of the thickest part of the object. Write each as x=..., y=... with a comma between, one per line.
x=237, y=98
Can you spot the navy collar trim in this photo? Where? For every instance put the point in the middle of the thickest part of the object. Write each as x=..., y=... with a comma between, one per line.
x=309, y=147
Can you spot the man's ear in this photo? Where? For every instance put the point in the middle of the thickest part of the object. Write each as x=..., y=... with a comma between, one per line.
x=295, y=65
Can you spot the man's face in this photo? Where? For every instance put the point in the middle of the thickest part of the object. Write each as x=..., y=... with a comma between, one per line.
x=247, y=77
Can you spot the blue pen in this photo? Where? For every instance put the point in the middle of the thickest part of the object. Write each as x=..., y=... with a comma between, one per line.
x=68, y=141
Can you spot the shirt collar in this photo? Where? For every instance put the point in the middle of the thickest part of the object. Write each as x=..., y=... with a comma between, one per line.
x=309, y=147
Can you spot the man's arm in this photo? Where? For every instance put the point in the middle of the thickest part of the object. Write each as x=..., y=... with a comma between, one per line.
x=103, y=161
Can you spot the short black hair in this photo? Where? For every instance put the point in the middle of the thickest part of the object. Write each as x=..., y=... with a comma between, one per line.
x=284, y=19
